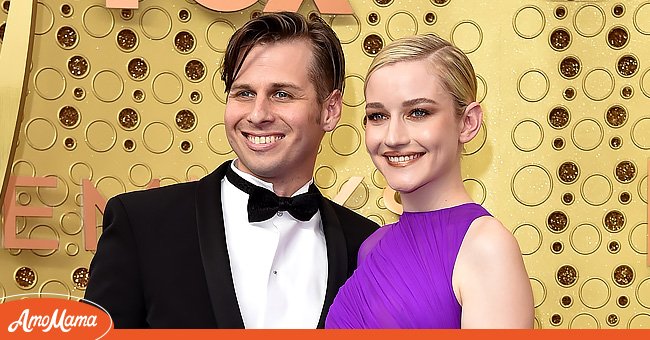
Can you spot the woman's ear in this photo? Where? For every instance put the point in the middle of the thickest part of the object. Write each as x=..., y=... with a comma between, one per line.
x=471, y=122
x=332, y=108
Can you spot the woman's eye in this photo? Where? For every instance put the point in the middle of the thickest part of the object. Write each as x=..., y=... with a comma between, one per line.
x=419, y=113
x=375, y=116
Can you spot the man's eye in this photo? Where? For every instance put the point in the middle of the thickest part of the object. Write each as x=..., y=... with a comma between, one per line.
x=282, y=94
x=241, y=94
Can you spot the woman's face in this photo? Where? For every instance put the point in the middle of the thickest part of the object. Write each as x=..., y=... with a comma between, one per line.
x=412, y=129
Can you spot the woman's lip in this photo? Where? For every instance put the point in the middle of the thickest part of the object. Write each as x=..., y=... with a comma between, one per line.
x=403, y=159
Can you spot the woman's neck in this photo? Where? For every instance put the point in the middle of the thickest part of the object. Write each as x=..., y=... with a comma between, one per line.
x=443, y=192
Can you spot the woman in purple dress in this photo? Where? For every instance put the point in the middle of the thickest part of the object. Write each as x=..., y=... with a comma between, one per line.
x=447, y=263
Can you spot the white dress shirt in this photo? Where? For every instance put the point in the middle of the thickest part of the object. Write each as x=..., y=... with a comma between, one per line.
x=279, y=266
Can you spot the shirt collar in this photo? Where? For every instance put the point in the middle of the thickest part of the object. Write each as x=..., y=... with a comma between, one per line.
x=264, y=184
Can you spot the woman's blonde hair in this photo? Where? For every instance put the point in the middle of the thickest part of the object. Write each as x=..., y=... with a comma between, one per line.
x=450, y=63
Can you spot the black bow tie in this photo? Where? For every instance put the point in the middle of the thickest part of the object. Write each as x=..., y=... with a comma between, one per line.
x=263, y=203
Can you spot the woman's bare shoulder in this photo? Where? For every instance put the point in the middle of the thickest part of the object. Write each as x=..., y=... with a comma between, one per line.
x=490, y=278
x=488, y=239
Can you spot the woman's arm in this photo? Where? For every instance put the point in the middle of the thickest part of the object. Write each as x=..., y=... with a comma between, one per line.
x=490, y=280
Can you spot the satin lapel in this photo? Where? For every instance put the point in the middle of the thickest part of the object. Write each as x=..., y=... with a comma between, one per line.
x=337, y=256
x=214, y=252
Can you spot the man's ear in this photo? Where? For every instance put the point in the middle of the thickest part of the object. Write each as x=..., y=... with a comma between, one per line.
x=470, y=122
x=331, y=112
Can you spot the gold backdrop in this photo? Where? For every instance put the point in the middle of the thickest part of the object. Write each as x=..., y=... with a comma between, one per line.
x=125, y=97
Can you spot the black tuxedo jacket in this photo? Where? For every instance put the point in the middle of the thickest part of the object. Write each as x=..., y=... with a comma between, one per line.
x=162, y=260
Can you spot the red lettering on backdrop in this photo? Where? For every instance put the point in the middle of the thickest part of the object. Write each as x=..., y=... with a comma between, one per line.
x=226, y=6
x=155, y=183
x=12, y=210
x=122, y=4
x=324, y=6
x=334, y=6
x=92, y=201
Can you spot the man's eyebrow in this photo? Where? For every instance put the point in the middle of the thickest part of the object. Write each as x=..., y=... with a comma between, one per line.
x=240, y=87
x=285, y=86
x=280, y=85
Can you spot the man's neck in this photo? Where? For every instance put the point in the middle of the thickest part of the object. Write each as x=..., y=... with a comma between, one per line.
x=280, y=188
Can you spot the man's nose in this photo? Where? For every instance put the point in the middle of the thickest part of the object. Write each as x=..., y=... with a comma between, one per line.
x=261, y=111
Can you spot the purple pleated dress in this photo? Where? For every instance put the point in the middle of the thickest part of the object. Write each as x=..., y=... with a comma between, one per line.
x=404, y=274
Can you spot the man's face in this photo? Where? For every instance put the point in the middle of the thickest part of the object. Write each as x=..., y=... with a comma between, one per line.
x=274, y=121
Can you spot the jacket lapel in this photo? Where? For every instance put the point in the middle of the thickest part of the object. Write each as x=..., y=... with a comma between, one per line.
x=214, y=251
x=337, y=256
x=216, y=263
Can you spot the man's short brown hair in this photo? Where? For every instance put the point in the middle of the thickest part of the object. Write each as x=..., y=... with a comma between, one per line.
x=327, y=69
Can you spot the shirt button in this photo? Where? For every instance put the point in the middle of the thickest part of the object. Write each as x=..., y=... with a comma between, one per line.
x=275, y=272
x=279, y=213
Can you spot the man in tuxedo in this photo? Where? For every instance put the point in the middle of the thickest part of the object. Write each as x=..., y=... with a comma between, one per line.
x=253, y=244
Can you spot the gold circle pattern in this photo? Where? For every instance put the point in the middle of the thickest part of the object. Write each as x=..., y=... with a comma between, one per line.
x=527, y=135
x=401, y=24
x=70, y=223
x=589, y=20
x=345, y=139
x=97, y=21
x=585, y=239
x=107, y=85
x=530, y=238
x=54, y=197
x=72, y=249
x=538, y=192
x=44, y=18
x=598, y=84
x=167, y=87
x=140, y=174
x=641, y=12
x=46, y=232
x=41, y=134
x=49, y=83
x=155, y=23
x=528, y=22
x=217, y=140
x=157, y=137
x=594, y=293
x=533, y=85
x=587, y=134
x=467, y=35
x=54, y=286
x=596, y=189
x=217, y=34
x=347, y=27
x=100, y=135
